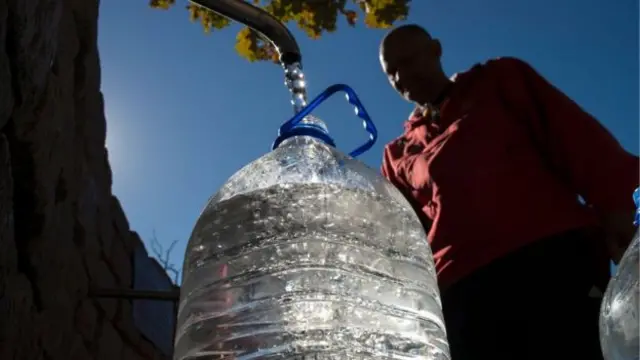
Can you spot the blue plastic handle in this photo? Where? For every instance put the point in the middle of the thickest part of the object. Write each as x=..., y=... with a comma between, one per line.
x=289, y=127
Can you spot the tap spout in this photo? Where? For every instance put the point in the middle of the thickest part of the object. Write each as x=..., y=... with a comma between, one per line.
x=260, y=21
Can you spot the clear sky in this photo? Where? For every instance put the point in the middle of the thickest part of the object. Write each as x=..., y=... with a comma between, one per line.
x=185, y=111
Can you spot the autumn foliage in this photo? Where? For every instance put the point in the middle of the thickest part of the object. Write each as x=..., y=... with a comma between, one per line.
x=314, y=17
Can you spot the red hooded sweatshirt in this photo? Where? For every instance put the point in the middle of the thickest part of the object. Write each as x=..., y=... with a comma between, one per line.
x=502, y=167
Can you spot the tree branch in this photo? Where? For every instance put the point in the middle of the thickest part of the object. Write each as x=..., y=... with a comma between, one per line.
x=163, y=256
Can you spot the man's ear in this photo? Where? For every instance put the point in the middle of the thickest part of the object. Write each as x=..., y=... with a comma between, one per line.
x=436, y=48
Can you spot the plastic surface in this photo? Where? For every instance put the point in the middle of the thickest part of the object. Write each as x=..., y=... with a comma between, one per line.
x=297, y=127
x=307, y=253
x=620, y=313
x=636, y=200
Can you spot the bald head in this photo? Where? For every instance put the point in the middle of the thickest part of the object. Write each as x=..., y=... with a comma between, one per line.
x=411, y=59
x=405, y=32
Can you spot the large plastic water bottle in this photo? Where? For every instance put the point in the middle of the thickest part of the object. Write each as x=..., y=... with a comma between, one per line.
x=307, y=253
x=619, y=316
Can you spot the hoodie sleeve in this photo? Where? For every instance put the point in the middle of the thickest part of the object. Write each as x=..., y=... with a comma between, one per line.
x=584, y=152
x=387, y=169
x=389, y=172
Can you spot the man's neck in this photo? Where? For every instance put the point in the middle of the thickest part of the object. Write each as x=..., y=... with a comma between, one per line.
x=438, y=97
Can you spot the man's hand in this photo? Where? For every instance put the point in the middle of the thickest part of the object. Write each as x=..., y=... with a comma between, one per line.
x=619, y=230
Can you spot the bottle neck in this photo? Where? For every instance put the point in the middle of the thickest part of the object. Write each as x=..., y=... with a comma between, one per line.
x=310, y=126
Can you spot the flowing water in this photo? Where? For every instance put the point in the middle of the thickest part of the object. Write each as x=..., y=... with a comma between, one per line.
x=295, y=82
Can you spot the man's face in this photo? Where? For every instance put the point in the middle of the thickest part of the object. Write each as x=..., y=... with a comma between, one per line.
x=410, y=62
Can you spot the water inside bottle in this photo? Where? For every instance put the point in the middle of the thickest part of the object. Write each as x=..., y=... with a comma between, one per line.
x=309, y=271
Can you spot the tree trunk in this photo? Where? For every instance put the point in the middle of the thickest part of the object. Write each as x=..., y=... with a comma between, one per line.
x=61, y=229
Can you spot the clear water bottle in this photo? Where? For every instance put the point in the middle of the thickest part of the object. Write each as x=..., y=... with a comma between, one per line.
x=307, y=253
x=619, y=315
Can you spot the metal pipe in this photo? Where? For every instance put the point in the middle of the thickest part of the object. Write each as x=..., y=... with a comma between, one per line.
x=162, y=295
x=260, y=21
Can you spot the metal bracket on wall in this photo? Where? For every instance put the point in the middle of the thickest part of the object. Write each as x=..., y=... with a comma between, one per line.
x=160, y=295
x=131, y=294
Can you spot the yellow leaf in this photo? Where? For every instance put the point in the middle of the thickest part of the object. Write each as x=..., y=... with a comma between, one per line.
x=161, y=4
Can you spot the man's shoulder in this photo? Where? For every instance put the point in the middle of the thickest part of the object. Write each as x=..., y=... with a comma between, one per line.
x=506, y=64
x=483, y=73
x=497, y=69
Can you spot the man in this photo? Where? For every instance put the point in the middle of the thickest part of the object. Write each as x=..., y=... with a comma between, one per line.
x=494, y=161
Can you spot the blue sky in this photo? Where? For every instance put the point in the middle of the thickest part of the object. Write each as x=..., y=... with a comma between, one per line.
x=184, y=111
